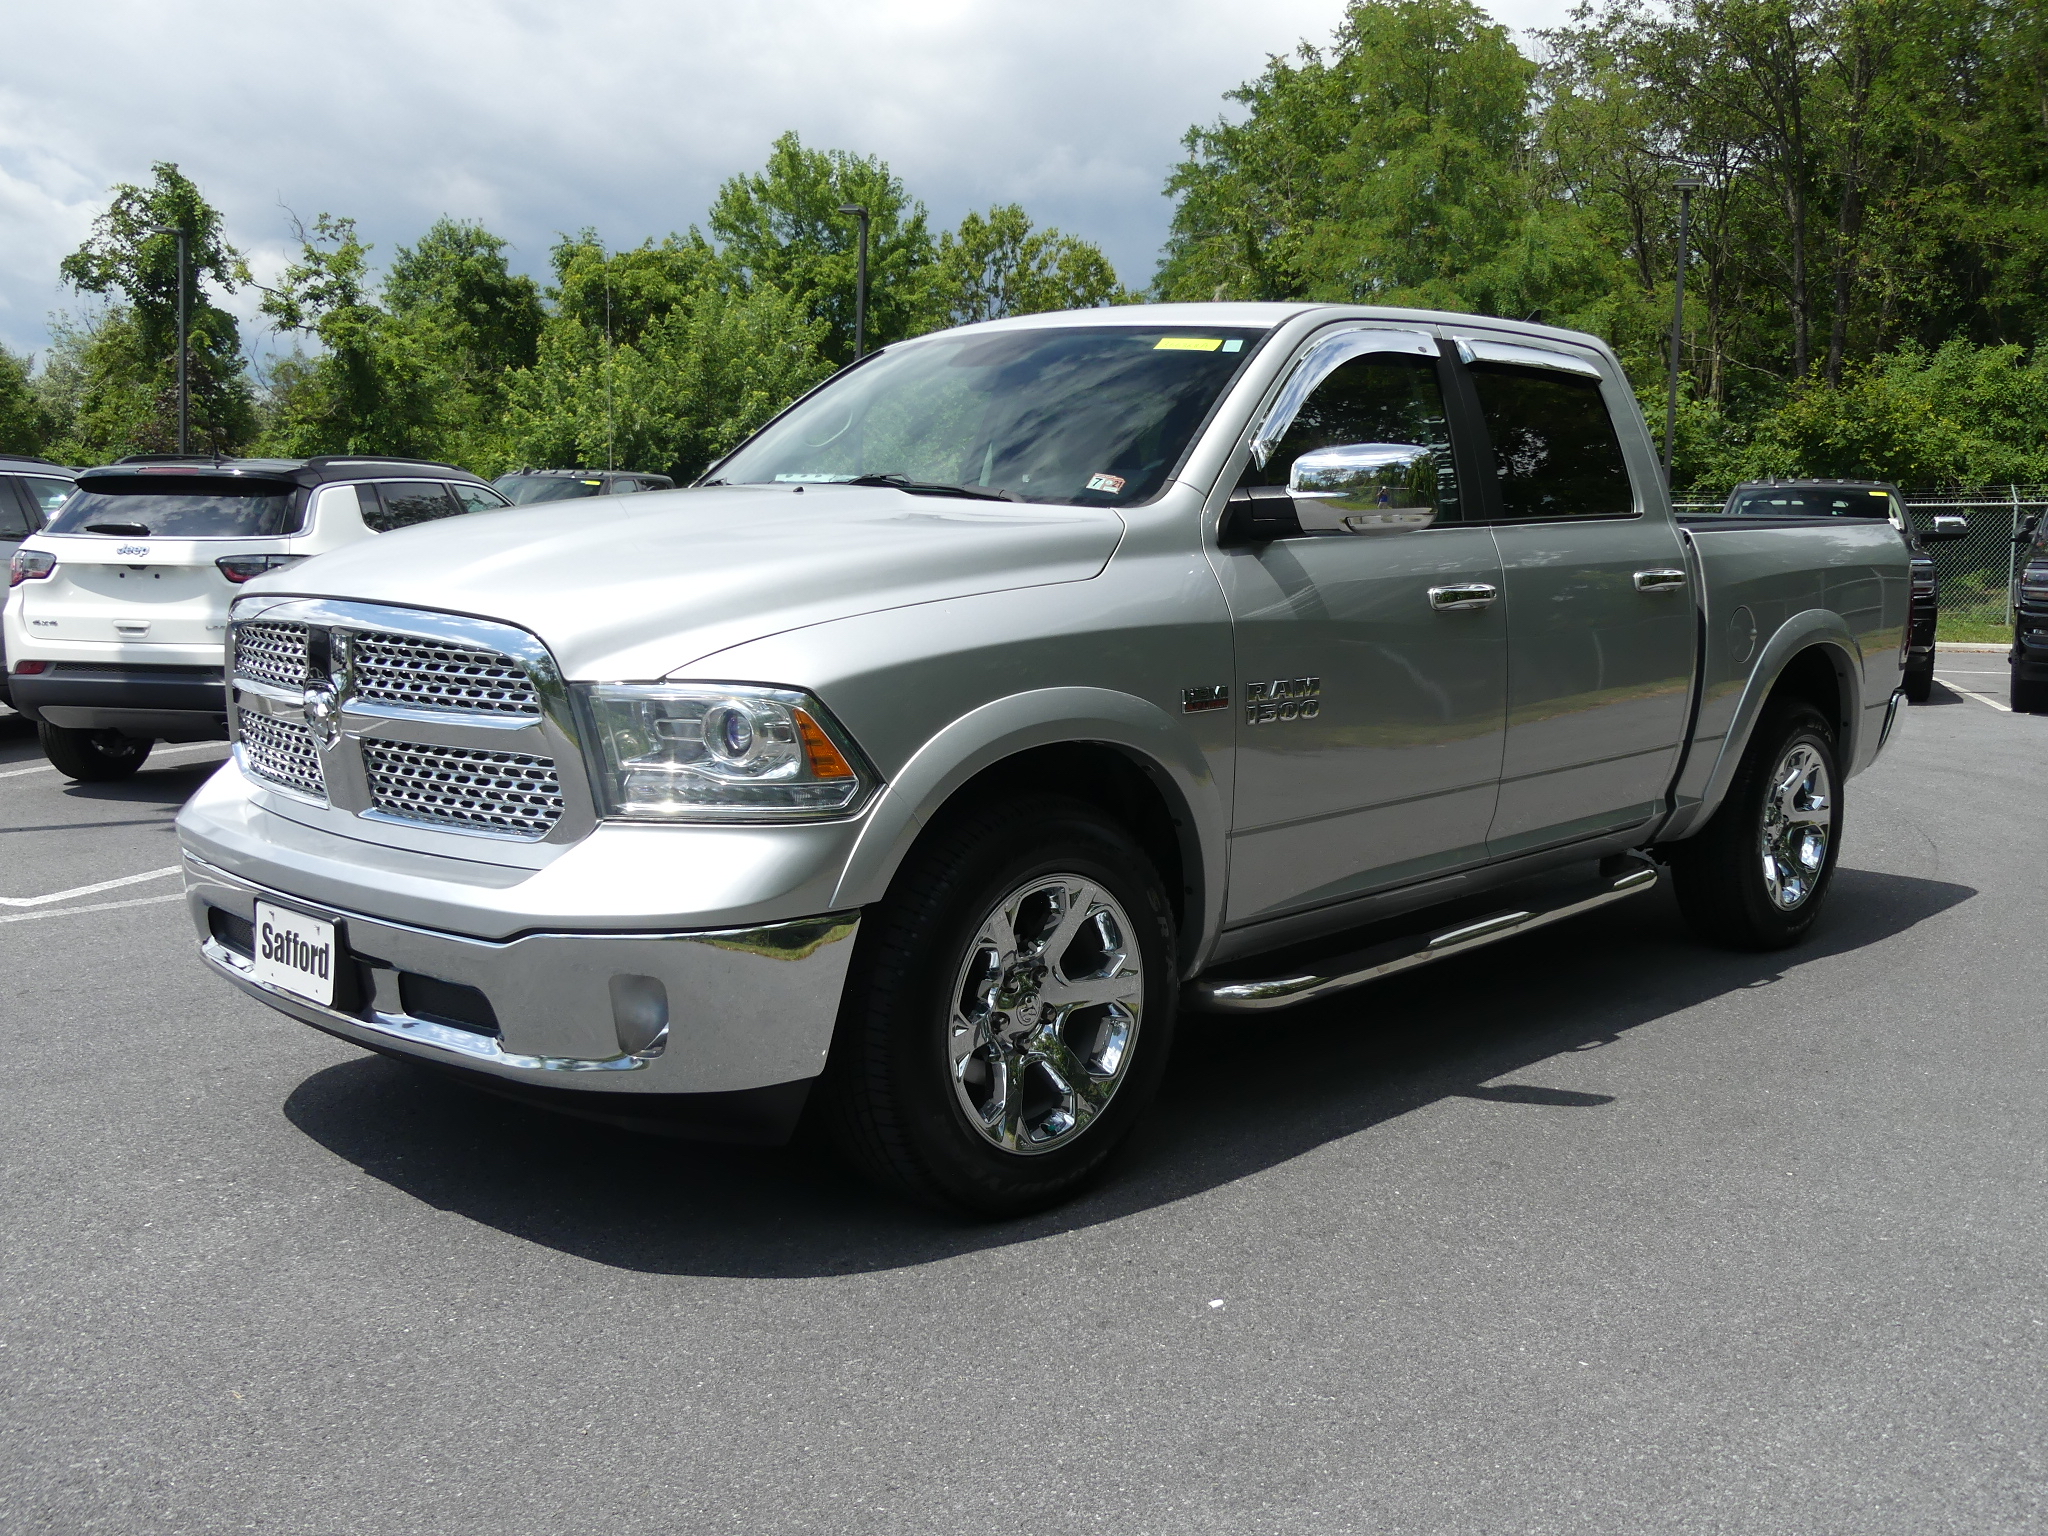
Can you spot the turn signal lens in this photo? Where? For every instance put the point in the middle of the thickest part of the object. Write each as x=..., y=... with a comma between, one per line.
x=29, y=565
x=732, y=752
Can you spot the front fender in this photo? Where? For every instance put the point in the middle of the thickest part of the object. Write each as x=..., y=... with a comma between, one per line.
x=1004, y=727
x=1812, y=627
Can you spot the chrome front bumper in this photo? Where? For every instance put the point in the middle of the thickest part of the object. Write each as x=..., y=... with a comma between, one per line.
x=718, y=1011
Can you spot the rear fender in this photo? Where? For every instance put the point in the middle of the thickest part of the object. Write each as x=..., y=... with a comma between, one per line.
x=1004, y=727
x=1815, y=627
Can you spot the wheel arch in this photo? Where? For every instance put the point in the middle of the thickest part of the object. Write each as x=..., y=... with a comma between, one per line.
x=1111, y=749
x=1813, y=656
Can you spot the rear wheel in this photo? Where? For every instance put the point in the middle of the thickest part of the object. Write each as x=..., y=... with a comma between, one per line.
x=1919, y=682
x=2028, y=698
x=93, y=757
x=1010, y=1012
x=1755, y=878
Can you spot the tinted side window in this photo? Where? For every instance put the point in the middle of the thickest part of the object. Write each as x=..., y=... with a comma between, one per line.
x=1554, y=446
x=624, y=487
x=46, y=491
x=478, y=498
x=1378, y=398
x=13, y=515
x=405, y=502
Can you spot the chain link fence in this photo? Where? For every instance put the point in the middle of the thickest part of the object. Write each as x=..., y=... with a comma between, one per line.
x=1976, y=572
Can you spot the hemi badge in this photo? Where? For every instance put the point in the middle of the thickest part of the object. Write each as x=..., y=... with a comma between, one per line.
x=1194, y=700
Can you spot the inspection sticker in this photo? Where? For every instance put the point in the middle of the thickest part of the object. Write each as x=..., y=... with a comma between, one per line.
x=1110, y=483
x=1188, y=344
x=295, y=952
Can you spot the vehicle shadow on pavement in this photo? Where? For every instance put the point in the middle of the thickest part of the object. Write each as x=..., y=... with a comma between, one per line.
x=1243, y=1095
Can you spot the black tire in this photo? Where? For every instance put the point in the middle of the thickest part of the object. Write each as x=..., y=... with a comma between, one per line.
x=93, y=757
x=1918, y=683
x=2028, y=698
x=890, y=1099
x=1724, y=880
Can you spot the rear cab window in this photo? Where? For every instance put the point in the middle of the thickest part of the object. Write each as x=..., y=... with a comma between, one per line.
x=1555, y=451
x=184, y=506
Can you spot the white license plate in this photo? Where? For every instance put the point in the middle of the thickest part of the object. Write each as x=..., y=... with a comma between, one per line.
x=296, y=952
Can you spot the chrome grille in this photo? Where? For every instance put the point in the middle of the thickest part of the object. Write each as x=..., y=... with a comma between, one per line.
x=282, y=752
x=433, y=674
x=508, y=792
x=271, y=653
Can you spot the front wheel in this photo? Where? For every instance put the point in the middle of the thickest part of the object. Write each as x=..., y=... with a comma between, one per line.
x=93, y=757
x=1755, y=878
x=1918, y=683
x=1010, y=1011
x=2028, y=698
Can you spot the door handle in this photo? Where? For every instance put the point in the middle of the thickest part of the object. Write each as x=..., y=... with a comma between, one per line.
x=1660, y=581
x=1465, y=594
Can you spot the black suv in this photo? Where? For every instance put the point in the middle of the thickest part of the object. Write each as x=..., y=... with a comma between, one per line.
x=529, y=485
x=2030, y=621
x=1868, y=499
x=30, y=490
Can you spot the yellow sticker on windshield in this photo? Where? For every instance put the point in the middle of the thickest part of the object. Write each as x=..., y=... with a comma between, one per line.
x=1187, y=344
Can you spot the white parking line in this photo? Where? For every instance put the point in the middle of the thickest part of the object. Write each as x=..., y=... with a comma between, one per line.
x=1971, y=693
x=196, y=746
x=87, y=890
x=97, y=906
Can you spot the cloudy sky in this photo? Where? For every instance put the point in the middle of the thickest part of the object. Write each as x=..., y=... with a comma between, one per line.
x=625, y=115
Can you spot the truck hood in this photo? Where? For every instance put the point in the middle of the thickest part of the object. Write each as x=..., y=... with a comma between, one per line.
x=638, y=587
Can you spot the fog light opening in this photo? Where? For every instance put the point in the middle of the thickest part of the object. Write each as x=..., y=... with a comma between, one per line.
x=640, y=1014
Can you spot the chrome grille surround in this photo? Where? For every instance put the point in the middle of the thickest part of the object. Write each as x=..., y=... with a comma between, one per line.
x=505, y=792
x=271, y=653
x=435, y=674
x=282, y=752
x=419, y=726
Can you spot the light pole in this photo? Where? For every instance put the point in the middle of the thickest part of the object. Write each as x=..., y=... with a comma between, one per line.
x=184, y=392
x=860, y=284
x=1686, y=185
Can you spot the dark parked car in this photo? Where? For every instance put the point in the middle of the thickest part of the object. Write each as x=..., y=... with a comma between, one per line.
x=529, y=485
x=1868, y=499
x=30, y=490
x=2030, y=621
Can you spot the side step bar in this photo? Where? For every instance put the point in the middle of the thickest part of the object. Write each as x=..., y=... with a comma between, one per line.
x=1344, y=971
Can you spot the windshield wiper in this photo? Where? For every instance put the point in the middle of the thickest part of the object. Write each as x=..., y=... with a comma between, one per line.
x=932, y=487
x=133, y=530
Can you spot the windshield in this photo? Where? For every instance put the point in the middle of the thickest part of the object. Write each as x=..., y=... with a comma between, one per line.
x=1095, y=416
x=524, y=489
x=188, y=507
x=1812, y=501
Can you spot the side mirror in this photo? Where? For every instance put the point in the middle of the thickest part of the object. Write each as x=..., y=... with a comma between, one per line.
x=1947, y=527
x=1365, y=488
x=2027, y=529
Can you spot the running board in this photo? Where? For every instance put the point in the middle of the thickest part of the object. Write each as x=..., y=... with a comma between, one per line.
x=1361, y=966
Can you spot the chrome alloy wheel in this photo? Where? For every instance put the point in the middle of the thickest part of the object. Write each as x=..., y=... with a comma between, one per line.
x=1798, y=815
x=1044, y=1011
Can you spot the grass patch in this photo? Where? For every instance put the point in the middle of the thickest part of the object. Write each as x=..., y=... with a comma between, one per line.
x=1973, y=628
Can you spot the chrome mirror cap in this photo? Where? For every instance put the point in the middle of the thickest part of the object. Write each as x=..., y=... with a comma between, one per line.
x=1365, y=488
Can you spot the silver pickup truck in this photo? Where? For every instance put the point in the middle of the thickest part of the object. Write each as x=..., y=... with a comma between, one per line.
x=1018, y=688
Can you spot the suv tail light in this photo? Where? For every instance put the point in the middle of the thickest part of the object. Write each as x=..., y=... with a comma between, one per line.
x=241, y=568
x=29, y=565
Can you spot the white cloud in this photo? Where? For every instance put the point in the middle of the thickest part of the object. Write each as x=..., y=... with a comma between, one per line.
x=621, y=114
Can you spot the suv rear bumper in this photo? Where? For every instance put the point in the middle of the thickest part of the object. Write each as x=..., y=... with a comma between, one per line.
x=176, y=703
x=712, y=1032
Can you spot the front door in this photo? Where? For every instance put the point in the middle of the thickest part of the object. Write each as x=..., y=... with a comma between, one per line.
x=1599, y=603
x=1370, y=714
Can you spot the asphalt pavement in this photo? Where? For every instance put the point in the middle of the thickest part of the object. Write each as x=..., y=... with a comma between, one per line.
x=1596, y=1231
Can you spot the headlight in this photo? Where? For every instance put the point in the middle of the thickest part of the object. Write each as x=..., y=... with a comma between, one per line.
x=736, y=753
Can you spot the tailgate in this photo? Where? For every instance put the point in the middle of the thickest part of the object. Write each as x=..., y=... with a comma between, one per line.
x=163, y=592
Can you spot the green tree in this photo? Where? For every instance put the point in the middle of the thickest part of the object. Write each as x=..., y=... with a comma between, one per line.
x=621, y=293
x=996, y=265
x=133, y=356
x=782, y=228
x=25, y=424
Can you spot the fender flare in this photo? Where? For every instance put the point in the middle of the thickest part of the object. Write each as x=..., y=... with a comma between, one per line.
x=1155, y=742
x=1803, y=631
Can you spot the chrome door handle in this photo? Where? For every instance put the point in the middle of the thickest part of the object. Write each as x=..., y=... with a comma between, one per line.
x=1466, y=594
x=1659, y=581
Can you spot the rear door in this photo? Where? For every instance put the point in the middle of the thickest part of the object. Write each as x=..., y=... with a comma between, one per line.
x=1369, y=713
x=1599, y=603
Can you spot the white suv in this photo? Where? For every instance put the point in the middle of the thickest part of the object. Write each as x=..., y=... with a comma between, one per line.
x=117, y=609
